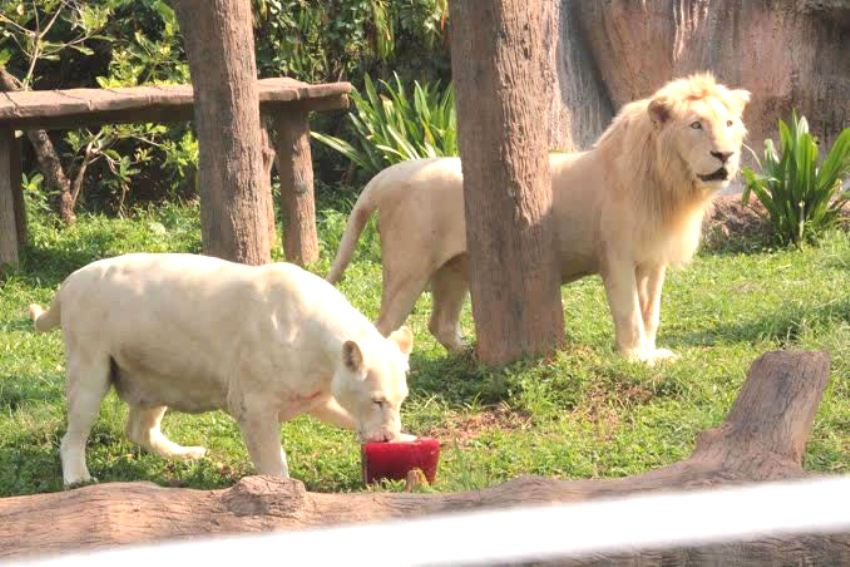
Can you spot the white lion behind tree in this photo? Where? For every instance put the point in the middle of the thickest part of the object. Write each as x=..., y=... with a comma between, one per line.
x=626, y=209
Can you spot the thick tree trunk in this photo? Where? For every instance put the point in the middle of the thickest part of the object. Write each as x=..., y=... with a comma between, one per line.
x=295, y=168
x=789, y=54
x=501, y=75
x=48, y=160
x=579, y=110
x=762, y=439
x=219, y=43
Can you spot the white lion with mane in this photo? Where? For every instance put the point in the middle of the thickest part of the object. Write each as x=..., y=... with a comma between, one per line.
x=626, y=209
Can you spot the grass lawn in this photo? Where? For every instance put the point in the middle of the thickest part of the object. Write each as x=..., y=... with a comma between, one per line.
x=586, y=413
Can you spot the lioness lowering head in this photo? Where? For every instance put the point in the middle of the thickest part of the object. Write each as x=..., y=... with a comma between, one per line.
x=196, y=333
x=625, y=210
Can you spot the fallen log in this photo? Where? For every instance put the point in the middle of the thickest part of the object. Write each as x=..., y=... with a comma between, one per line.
x=763, y=438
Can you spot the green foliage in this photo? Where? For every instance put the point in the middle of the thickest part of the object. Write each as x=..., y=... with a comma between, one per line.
x=393, y=126
x=803, y=197
x=344, y=39
x=32, y=33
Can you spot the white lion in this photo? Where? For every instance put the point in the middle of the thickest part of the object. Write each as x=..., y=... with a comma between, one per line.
x=626, y=209
x=197, y=333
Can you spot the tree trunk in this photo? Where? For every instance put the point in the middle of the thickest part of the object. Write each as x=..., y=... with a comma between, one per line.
x=788, y=54
x=297, y=203
x=502, y=81
x=762, y=439
x=48, y=160
x=579, y=109
x=219, y=43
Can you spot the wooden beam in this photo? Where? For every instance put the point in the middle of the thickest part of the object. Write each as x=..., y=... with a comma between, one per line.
x=10, y=184
x=75, y=108
x=295, y=167
x=762, y=439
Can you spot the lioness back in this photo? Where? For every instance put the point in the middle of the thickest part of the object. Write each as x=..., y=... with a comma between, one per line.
x=200, y=318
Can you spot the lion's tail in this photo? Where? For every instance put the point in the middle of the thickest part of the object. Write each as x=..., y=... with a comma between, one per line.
x=363, y=209
x=44, y=320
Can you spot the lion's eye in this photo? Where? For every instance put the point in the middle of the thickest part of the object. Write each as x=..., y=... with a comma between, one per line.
x=728, y=122
x=378, y=402
x=696, y=125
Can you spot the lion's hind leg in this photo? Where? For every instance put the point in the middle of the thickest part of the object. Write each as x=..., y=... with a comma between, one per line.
x=449, y=286
x=143, y=428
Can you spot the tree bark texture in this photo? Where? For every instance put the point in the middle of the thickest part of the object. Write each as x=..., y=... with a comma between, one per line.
x=790, y=54
x=502, y=80
x=295, y=168
x=219, y=43
x=762, y=439
x=12, y=218
x=579, y=109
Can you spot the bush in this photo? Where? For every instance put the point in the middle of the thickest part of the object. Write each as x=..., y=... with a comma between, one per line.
x=802, y=196
x=393, y=127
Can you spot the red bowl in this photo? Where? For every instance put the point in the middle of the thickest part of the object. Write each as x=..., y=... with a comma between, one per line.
x=394, y=460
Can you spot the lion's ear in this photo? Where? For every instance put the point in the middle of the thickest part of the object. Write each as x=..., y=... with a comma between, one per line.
x=741, y=98
x=659, y=110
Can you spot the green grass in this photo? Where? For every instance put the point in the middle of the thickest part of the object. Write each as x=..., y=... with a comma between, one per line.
x=584, y=413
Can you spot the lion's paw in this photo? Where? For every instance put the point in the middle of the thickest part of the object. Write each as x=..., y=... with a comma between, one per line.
x=651, y=356
x=654, y=356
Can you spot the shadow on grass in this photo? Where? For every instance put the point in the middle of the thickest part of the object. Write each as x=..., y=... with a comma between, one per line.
x=30, y=464
x=460, y=380
x=784, y=326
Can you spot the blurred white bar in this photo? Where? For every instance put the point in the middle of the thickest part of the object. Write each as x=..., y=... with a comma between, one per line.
x=652, y=521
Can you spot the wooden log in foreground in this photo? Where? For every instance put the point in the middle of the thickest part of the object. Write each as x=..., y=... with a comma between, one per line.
x=763, y=438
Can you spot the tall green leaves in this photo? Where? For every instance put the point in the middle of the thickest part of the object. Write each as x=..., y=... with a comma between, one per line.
x=395, y=126
x=802, y=196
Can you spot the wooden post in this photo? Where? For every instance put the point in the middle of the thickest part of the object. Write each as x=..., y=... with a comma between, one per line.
x=18, y=193
x=219, y=42
x=268, y=154
x=295, y=167
x=10, y=184
x=502, y=80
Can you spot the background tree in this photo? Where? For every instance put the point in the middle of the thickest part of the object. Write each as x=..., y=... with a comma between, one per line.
x=219, y=43
x=501, y=77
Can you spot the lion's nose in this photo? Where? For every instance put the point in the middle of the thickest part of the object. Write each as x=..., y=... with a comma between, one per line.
x=722, y=156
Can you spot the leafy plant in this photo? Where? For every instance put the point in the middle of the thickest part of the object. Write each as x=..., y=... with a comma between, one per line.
x=802, y=196
x=34, y=33
x=339, y=39
x=393, y=126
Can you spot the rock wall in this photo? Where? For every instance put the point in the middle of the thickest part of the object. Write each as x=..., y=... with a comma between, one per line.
x=789, y=53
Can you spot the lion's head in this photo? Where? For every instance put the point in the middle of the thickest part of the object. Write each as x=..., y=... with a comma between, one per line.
x=700, y=120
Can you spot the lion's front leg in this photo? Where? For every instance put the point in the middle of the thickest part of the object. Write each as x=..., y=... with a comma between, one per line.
x=650, y=280
x=620, y=282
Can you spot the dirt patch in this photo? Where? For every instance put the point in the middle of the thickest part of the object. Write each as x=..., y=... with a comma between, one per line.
x=465, y=428
x=602, y=407
x=730, y=219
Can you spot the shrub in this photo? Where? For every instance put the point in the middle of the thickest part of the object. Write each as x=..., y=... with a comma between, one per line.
x=393, y=127
x=801, y=195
